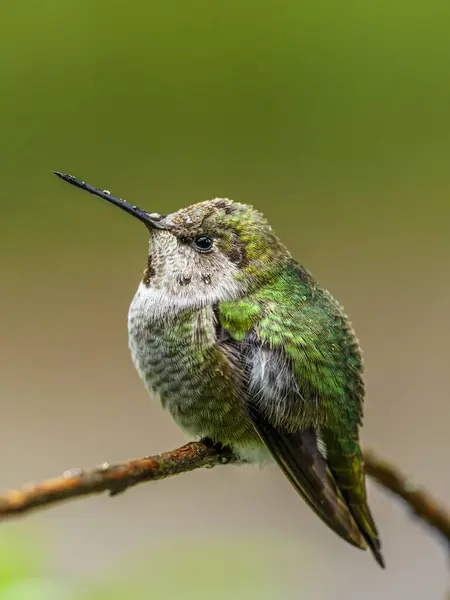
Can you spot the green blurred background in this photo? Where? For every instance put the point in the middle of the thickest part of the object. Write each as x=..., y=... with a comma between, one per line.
x=331, y=117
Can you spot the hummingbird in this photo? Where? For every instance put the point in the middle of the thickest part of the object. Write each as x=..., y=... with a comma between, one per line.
x=245, y=349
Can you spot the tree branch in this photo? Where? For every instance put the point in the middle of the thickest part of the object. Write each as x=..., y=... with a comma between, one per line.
x=415, y=497
x=112, y=478
x=195, y=455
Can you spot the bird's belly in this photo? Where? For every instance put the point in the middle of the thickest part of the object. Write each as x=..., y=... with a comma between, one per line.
x=203, y=397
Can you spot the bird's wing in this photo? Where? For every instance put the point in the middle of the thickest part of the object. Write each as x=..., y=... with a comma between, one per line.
x=299, y=457
x=305, y=397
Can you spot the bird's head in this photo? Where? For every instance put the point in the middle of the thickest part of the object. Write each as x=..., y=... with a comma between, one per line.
x=212, y=251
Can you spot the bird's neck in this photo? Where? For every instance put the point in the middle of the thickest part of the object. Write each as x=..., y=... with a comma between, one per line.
x=153, y=303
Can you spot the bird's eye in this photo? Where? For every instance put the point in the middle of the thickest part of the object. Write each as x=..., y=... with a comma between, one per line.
x=203, y=243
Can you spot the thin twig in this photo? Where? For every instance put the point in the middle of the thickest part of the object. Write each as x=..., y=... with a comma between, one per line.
x=111, y=478
x=195, y=455
x=416, y=497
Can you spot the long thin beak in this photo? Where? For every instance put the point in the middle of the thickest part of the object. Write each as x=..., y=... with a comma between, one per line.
x=151, y=221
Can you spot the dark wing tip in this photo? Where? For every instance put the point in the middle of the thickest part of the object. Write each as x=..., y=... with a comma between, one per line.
x=301, y=462
x=375, y=548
